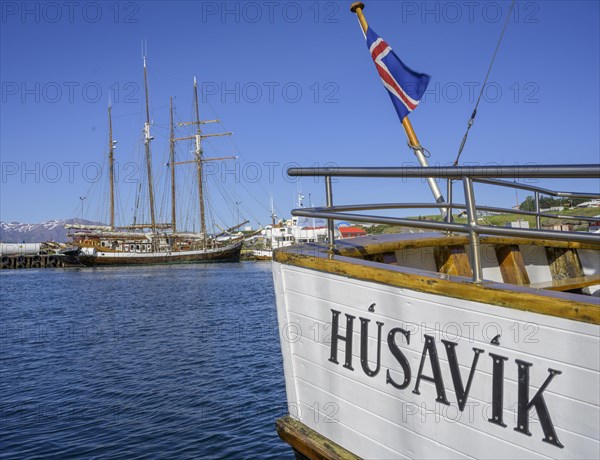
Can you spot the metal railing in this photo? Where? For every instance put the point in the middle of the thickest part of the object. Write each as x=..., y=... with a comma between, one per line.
x=490, y=175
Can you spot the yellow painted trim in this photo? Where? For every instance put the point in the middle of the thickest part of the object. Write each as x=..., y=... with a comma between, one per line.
x=559, y=304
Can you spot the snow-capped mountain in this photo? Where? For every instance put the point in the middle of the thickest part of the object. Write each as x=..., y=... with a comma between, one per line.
x=53, y=230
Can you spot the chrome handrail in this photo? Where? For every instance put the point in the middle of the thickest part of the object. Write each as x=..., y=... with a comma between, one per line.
x=468, y=175
x=590, y=171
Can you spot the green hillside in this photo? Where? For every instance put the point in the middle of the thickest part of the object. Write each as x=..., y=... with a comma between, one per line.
x=502, y=219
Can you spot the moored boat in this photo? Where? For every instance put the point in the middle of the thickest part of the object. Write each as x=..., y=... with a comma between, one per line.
x=287, y=233
x=432, y=345
x=156, y=242
x=470, y=341
x=223, y=253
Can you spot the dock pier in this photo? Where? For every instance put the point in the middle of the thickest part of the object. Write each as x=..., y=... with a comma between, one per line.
x=37, y=255
x=37, y=261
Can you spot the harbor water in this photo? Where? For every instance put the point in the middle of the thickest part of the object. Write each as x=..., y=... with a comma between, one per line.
x=177, y=361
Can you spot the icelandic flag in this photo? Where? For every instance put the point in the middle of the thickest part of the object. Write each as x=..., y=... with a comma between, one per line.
x=405, y=86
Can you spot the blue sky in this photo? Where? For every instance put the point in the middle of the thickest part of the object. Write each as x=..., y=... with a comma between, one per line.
x=295, y=83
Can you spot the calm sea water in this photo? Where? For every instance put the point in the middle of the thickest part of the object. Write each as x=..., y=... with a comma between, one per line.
x=172, y=362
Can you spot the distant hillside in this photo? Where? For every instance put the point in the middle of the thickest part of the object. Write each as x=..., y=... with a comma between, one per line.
x=53, y=230
x=502, y=219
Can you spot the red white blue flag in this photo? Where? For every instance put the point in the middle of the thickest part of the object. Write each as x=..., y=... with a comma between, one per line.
x=405, y=86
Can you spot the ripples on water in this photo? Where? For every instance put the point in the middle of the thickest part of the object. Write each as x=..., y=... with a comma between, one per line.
x=171, y=362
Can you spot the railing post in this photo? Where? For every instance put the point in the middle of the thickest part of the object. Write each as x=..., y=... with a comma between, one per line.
x=473, y=235
x=449, y=218
x=329, y=198
x=538, y=219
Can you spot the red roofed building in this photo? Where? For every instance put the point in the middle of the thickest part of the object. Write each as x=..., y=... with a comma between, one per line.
x=351, y=232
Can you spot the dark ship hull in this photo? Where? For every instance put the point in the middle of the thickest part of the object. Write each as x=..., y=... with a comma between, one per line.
x=229, y=253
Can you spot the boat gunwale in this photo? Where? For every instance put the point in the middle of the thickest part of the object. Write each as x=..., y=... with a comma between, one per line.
x=346, y=260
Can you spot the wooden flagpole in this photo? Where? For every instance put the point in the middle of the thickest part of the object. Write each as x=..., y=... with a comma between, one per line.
x=358, y=7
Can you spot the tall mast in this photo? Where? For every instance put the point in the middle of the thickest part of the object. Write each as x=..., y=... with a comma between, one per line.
x=199, y=161
x=198, y=157
x=172, y=163
x=111, y=169
x=147, y=139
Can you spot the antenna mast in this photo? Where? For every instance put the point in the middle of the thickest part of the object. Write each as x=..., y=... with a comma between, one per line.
x=273, y=215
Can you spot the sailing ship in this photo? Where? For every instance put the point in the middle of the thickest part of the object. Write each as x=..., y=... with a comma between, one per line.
x=469, y=341
x=155, y=242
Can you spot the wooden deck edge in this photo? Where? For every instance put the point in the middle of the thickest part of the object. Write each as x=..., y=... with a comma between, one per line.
x=545, y=302
x=373, y=244
x=568, y=283
x=308, y=442
x=376, y=244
